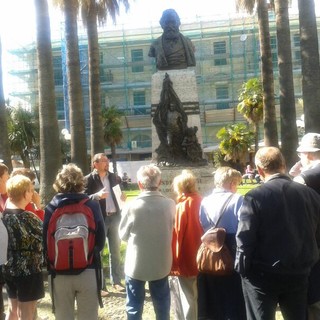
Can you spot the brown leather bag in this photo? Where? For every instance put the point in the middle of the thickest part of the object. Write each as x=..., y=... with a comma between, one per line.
x=213, y=256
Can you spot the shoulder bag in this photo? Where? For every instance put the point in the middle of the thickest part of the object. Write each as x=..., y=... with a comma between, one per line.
x=213, y=256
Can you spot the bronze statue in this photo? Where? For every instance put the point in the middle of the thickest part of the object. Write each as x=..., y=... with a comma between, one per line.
x=178, y=144
x=172, y=49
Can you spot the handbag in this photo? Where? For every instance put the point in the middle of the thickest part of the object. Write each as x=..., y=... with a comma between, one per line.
x=213, y=256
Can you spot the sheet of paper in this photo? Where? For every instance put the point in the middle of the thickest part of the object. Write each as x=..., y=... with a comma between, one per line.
x=117, y=192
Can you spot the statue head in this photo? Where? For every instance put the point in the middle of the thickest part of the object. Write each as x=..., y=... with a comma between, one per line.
x=170, y=23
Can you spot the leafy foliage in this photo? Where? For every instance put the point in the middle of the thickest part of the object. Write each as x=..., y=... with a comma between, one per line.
x=22, y=132
x=236, y=139
x=112, y=132
x=112, y=125
x=251, y=100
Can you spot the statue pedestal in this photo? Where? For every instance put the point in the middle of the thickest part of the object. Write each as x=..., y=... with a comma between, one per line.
x=204, y=179
x=185, y=86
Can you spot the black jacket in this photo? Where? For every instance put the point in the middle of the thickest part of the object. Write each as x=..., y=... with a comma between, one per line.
x=279, y=231
x=94, y=184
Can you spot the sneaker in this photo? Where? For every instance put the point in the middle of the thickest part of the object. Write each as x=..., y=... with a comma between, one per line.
x=118, y=287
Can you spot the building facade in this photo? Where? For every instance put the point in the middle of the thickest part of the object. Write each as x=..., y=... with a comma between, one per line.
x=227, y=55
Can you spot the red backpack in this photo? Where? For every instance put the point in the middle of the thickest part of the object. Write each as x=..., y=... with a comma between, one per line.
x=71, y=238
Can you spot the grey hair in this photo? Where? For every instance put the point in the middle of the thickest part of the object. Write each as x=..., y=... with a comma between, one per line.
x=149, y=176
x=225, y=175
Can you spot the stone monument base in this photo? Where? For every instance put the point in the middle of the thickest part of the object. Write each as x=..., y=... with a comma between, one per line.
x=203, y=174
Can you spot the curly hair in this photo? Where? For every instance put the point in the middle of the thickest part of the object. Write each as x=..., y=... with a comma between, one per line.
x=69, y=179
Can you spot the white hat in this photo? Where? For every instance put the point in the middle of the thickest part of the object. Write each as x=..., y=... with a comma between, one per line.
x=310, y=142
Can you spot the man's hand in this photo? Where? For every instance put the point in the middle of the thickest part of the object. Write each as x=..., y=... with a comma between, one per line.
x=36, y=200
x=102, y=194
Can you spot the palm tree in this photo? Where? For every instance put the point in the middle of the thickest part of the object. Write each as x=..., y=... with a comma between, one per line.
x=269, y=112
x=235, y=142
x=4, y=142
x=310, y=64
x=289, y=134
x=50, y=160
x=75, y=99
x=22, y=130
x=112, y=130
x=251, y=105
x=92, y=12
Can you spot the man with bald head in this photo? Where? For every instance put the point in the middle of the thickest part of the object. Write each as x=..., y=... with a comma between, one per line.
x=277, y=241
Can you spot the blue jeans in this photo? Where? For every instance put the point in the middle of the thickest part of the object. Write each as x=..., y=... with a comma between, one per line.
x=160, y=294
x=114, y=242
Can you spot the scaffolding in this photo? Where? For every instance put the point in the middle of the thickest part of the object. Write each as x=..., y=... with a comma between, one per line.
x=227, y=55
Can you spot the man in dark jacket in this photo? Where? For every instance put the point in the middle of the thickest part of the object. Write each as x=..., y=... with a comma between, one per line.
x=99, y=185
x=277, y=241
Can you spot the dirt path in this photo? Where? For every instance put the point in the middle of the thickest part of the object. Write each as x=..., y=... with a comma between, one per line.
x=113, y=309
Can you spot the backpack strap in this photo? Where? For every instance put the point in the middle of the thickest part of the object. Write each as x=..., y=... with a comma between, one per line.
x=223, y=209
x=97, y=264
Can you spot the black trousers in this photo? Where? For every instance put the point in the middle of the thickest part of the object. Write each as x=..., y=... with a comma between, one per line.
x=264, y=291
x=220, y=297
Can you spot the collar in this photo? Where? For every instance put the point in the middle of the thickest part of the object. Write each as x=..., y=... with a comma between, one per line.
x=277, y=176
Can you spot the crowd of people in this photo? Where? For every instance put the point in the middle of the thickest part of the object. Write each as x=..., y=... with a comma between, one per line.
x=273, y=234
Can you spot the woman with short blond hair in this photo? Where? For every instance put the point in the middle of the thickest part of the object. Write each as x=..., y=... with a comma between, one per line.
x=23, y=270
x=185, y=243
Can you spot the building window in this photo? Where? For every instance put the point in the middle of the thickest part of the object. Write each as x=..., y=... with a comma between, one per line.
x=60, y=108
x=101, y=57
x=137, y=60
x=139, y=102
x=222, y=93
x=274, y=53
x=297, y=52
x=57, y=70
x=219, y=51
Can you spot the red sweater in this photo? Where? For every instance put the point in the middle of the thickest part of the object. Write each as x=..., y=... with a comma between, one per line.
x=186, y=235
x=38, y=212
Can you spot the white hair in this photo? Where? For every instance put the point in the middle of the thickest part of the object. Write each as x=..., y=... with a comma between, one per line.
x=149, y=176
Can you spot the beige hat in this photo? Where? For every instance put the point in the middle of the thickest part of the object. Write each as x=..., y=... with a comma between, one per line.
x=310, y=142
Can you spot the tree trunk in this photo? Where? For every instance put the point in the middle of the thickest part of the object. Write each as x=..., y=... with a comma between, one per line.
x=4, y=142
x=114, y=160
x=310, y=65
x=289, y=134
x=76, y=112
x=50, y=149
x=269, y=112
x=96, y=135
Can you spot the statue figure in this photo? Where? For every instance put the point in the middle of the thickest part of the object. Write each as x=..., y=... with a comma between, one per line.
x=192, y=147
x=178, y=143
x=170, y=121
x=172, y=49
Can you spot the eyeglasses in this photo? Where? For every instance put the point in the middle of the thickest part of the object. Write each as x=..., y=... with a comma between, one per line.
x=101, y=160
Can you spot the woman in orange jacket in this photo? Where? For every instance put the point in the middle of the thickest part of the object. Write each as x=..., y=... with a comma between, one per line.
x=185, y=243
